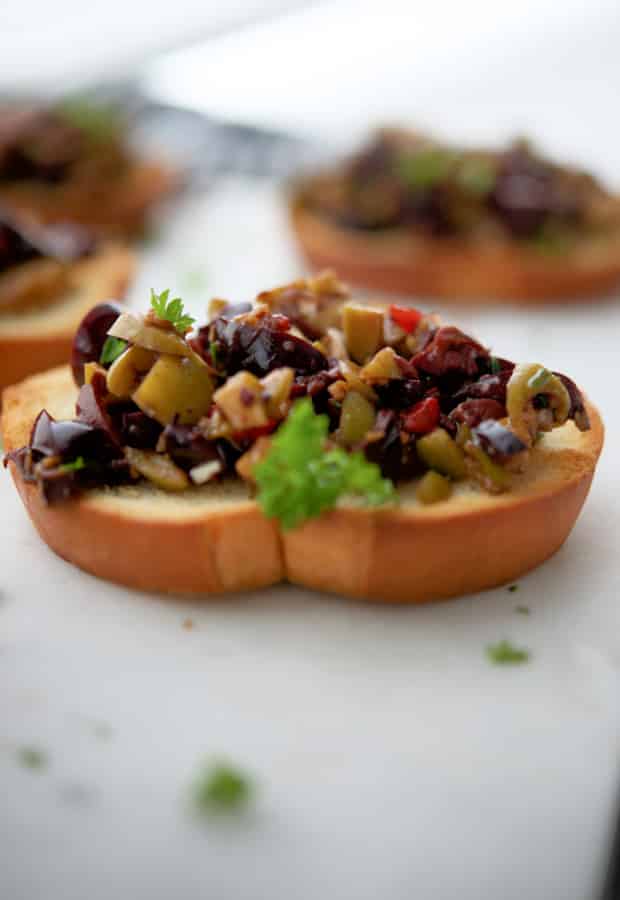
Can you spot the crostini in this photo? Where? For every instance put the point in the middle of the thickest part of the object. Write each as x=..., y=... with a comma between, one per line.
x=415, y=217
x=50, y=276
x=73, y=163
x=364, y=450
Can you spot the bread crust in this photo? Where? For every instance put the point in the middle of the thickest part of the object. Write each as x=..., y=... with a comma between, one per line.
x=106, y=208
x=41, y=337
x=406, y=554
x=454, y=270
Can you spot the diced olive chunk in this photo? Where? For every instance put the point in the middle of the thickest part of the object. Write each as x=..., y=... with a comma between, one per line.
x=176, y=388
x=135, y=330
x=438, y=451
x=240, y=400
x=382, y=367
x=158, y=468
x=492, y=476
x=433, y=488
x=127, y=370
x=276, y=389
x=356, y=419
x=363, y=330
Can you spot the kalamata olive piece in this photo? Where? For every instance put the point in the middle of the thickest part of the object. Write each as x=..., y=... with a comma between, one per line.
x=68, y=440
x=260, y=349
x=90, y=337
x=497, y=441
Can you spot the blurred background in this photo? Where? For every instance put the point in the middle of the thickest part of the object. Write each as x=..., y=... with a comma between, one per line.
x=514, y=785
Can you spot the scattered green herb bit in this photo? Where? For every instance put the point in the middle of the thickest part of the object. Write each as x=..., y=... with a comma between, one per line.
x=74, y=466
x=506, y=654
x=495, y=365
x=426, y=167
x=112, y=348
x=553, y=241
x=213, y=353
x=513, y=587
x=222, y=788
x=299, y=479
x=476, y=175
x=194, y=281
x=171, y=311
x=101, y=122
x=539, y=379
x=522, y=610
x=32, y=758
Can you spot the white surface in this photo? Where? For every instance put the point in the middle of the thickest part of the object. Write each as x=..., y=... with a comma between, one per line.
x=394, y=761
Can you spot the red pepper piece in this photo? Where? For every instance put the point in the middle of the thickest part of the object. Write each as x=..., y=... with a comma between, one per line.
x=405, y=318
x=422, y=417
x=252, y=434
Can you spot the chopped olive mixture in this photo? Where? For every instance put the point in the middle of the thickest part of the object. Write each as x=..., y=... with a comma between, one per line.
x=404, y=180
x=386, y=394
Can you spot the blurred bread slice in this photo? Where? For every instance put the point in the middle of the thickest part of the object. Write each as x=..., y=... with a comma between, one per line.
x=409, y=264
x=42, y=302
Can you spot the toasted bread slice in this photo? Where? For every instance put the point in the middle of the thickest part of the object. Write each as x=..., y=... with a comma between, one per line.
x=38, y=336
x=107, y=207
x=406, y=263
x=214, y=538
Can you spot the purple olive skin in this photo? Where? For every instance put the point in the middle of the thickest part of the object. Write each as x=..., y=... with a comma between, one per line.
x=90, y=337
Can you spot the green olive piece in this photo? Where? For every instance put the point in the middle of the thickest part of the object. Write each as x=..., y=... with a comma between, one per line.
x=125, y=373
x=178, y=388
x=356, y=419
x=493, y=477
x=276, y=389
x=433, y=488
x=438, y=451
x=382, y=367
x=528, y=380
x=158, y=468
x=363, y=330
x=240, y=399
x=135, y=330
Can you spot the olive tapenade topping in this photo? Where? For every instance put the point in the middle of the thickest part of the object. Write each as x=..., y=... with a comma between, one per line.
x=404, y=180
x=259, y=392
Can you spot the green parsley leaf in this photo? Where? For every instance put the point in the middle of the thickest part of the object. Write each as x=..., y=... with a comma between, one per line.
x=171, y=311
x=426, y=168
x=32, y=757
x=299, y=479
x=504, y=653
x=74, y=466
x=477, y=176
x=495, y=365
x=222, y=788
x=112, y=348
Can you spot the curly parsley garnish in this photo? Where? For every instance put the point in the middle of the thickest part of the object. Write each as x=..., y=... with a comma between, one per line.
x=171, y=311
x=112, y=348
x=299, y=479
x=504, y=653
x=222, y=788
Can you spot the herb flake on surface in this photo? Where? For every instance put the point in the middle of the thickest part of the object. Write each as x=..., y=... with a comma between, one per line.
x=32, y=758
x=504, y=653
x=73, y=466
x=299, y=479
x=222, y=788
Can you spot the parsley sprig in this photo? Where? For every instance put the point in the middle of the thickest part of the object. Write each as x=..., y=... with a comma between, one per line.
x=171, y=311
x=112, y=348
x=299, y=479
